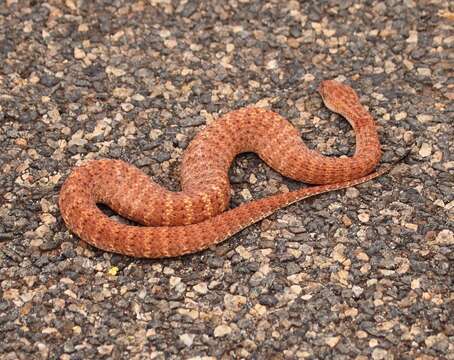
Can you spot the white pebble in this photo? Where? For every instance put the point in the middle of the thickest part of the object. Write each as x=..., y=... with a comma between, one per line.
x=271, y=65
x=222, y=330
x=187, y=339
x=363, y=217
x=201, y=288
x=425, y=150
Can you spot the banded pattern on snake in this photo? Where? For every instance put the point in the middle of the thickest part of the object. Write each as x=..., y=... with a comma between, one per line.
x=178, y=223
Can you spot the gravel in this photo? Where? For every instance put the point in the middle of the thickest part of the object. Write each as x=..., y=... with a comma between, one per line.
x=359, y=274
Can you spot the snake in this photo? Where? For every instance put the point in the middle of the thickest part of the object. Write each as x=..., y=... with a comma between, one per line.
x=175, y=223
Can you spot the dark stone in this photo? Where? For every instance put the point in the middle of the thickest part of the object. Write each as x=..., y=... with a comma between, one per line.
x=267, y=299
x=192, y=121
x=162, y=156
x=190, y=8
x=48, y=80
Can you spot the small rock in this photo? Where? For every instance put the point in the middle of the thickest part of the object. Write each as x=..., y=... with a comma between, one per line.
x=174, y=281
x=379, y=354
x=165, y=33
x=229, y=47
x=54, y=115
x=127, y=107
x=389, y=66
x=252, y=179
x=138, y=97
x=243, y=252
x=296, y=289
x=338, y=253
x=189, y=9
x=201, y=288
x=43, y=350
x=332, y=341
x=187, y=339
x=263, y=103
x=259, y=310
x=439, y=342
x=154, y=134
x=246, y=194
x=42, y=230
x=170, y=43
x=425, y=150
x=272, y=65
x=363, y=217
x=373, y=343
x=416, y=283
x=445, y=237
x=36, y=242
x=192, y=121
x=222, y=330
x=51, y=244
x=162, y=156
x=352, y=312
x=113, y=271
x=357, y=290
x=426, y=72
x=346, y=221
x=424, y=118
x=115, y=71
x=121, y=92
x=413, y=37
x=352, y=193
x=79, y=53
x=77, y=139
x=360, y=334
x=267, y=299
x=49, y=80
x=400, y=116
x=362, y=256
x=234, y=302
x=105, y=349
x=293, y=43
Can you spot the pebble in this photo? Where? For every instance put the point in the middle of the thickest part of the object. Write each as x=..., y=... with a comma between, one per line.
x=352, y=193
x=379, y=354
x=127, y=107
x=246, y=194
x=187, y=339
x=332, y=341
x=234, y=302
x=401, y=115
x=357, y=290
x=201, y=288
x=115, y=71
x=424, y=118
x=445, y=237
x=105, y=349
x=243, y=252
x=222, y=330
x=425, y=150
x=271, y=65
x=416, y=283
x=364, y=217
x=122, y=93
x=439, y=341
x=79, y=53
x=424, y=72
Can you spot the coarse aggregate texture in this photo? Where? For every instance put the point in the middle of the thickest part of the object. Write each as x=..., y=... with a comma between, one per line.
x=364, y=273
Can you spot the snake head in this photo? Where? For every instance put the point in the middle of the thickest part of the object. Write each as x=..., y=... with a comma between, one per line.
x=338, y=97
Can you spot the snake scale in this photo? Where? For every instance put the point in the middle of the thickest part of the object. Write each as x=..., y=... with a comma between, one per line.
x=178, y=223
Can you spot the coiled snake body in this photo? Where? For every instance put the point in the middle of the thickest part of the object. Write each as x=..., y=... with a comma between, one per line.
x=184, y=222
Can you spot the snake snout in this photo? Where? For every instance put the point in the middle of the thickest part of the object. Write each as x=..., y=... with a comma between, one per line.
x=335, y=94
